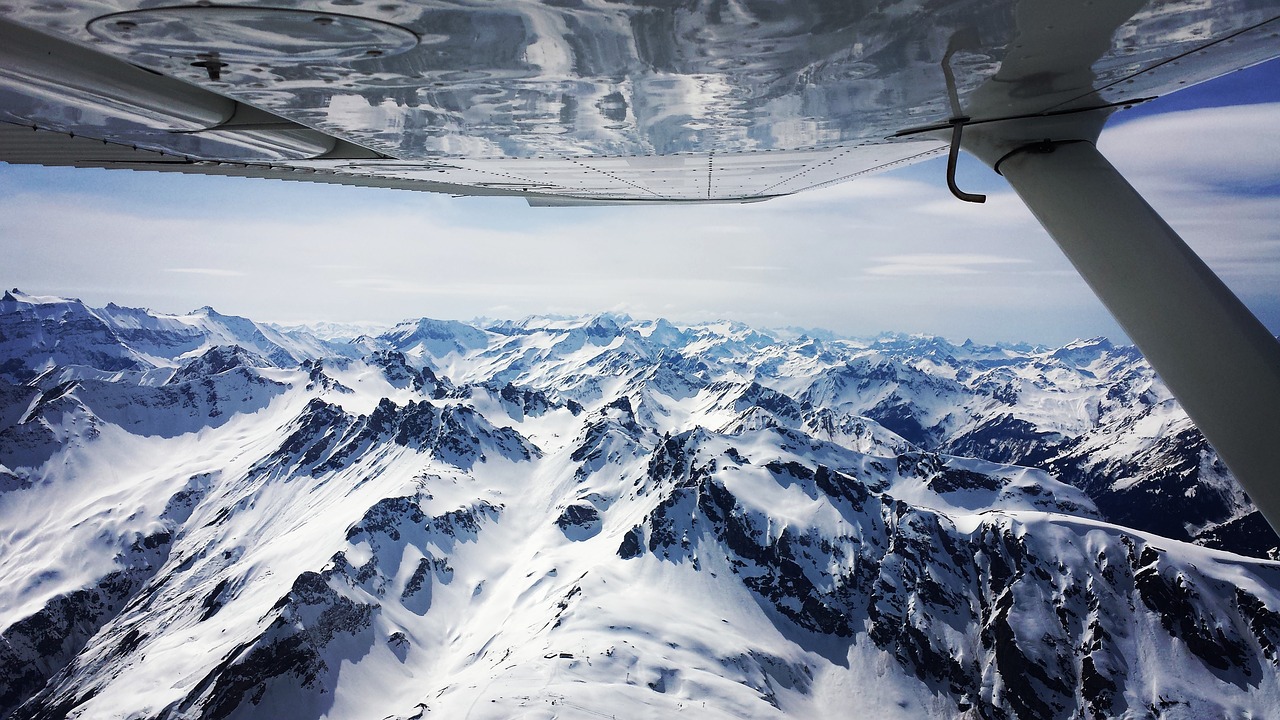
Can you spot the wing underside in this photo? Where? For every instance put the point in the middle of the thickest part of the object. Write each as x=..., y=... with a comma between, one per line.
x=598, y=102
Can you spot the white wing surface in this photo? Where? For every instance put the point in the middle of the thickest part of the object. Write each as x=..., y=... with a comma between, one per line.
x=578, y=101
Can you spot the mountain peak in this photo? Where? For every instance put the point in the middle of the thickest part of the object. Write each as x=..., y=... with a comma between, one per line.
x=18, y=297
x=219, y=359
x=602, y=326
x=1084, y=352
x=1100, y=342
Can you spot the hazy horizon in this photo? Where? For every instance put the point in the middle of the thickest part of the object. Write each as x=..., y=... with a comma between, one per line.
x=892, y=252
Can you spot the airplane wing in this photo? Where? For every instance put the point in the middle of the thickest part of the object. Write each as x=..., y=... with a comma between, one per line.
x=578, y=102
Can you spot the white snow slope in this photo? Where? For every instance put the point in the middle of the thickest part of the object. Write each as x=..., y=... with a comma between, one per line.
x=596, y=517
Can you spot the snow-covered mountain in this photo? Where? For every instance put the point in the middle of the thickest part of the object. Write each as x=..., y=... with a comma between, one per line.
x=42, y=333
x=206, y=517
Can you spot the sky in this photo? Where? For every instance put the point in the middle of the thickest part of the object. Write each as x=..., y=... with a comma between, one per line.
x=891, y=252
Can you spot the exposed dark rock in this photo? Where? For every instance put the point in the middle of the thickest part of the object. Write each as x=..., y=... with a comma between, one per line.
x=1172, y=594
x=956, y=480
x=309, y=617
x=38, y=649
x=579, y=521
x=1250, y=535
x=35, y=648
x=1006, y=439
x=325, y=438
x=216, y=360
x=632, y=545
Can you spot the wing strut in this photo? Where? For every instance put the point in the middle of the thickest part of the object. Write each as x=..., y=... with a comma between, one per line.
x=1219, y=360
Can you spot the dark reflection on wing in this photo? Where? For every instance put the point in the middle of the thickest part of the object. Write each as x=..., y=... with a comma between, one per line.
x=508, y=80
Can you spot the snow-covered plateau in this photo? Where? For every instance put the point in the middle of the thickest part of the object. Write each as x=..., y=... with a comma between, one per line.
x=203, y=516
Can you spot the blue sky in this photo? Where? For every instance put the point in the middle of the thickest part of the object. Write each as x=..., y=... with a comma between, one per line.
x=890, y=252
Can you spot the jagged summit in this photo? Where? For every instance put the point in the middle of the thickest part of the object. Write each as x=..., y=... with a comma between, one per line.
x=436, y=338
x=212, y=517
x=17, y=296
x=219, y=359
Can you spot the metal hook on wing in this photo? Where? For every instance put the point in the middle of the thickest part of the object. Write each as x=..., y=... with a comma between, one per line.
x=962, y=39
x=957, y=127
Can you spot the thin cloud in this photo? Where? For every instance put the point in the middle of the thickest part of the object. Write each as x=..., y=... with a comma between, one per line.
x=1194, y=151
x=924, y=264
x=211, y=272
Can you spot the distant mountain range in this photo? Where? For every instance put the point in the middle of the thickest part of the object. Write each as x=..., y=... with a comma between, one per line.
x=203, y=516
